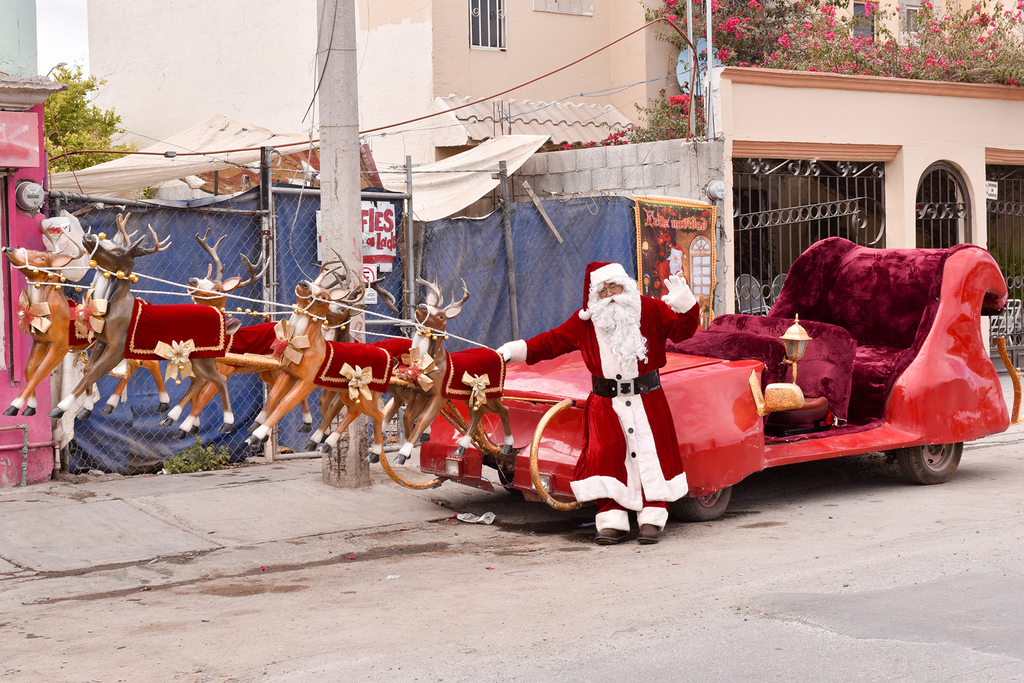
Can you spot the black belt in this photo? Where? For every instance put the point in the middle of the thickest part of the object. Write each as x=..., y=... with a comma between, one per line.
x=610, y=388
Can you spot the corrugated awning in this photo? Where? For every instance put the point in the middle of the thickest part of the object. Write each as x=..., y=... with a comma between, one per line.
x=215, y=137
x=444, y=187
x=564, y=122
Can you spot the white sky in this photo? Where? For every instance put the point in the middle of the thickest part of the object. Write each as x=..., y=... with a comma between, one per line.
x=62, y=33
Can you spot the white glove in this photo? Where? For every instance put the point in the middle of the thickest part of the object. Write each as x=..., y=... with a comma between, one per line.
x=680, y=298
x=513, y=351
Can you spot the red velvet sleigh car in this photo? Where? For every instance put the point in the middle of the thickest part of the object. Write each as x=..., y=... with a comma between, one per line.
x=897, y=363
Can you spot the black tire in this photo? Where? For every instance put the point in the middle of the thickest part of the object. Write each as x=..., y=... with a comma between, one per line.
x=702, y=509
x=930, y=464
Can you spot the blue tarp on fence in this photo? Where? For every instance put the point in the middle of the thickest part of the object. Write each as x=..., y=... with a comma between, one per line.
x=549, y=275
x=129, y=440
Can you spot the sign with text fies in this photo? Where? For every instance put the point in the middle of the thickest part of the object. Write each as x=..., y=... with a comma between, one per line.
x=380, y=230
x=19, y=139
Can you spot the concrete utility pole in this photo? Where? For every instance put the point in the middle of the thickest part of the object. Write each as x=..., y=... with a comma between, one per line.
x=346, y=465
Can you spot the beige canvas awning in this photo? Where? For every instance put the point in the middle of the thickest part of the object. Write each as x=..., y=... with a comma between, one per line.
x=445, y=187
x=225, y=143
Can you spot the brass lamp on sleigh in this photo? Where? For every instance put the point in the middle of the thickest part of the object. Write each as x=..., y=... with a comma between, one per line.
x=783, y=396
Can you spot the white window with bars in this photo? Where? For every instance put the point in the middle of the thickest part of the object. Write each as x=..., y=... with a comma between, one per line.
x=487, y=23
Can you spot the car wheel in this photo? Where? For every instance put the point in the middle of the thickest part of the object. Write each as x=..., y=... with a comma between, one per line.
x=930, y=464
x=701, y=508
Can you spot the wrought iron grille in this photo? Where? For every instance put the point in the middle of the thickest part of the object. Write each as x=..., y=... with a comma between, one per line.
x=943, y=208
x=783, y=206
x=487, y=23
x=1006, y=244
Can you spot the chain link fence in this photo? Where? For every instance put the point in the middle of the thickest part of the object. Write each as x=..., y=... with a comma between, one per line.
x=522, y=277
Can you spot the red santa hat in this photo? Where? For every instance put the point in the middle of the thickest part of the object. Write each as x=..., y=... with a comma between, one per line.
x=599, y=272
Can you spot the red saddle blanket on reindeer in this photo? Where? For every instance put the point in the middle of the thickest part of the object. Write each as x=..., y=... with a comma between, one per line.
x=397, y=347
x=74, y=339
x=359, y=358
x=253, y=339
x=470, y=365
x=205, y=326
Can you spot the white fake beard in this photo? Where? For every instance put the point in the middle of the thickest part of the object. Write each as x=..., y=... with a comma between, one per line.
x=619, y=318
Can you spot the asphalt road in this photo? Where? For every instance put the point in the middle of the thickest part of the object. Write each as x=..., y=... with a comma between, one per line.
x=829, y=571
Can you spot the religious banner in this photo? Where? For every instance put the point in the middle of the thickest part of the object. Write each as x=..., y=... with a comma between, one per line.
x=676, y=236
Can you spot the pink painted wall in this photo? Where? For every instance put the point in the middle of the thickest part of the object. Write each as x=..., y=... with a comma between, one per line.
x=19, y=229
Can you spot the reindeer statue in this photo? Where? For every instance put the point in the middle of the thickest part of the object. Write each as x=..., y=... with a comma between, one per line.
x=52, y=321
x=430, y=376
x=336, y=329
x=301, y=347
x=189, y=336
x=213, y=291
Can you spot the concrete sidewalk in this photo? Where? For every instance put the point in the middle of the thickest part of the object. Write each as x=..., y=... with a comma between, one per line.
x=62, y=526
x=89, y=522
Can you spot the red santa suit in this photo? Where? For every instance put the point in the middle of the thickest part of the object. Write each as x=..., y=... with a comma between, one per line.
x=630, y=452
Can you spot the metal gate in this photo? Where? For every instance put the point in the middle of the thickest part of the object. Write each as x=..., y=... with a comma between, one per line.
x=1006, y=244
x=783, y=206
x=943, y=208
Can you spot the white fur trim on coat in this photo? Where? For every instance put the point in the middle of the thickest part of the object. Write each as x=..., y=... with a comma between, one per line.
x=612, y=519
x=655, y=516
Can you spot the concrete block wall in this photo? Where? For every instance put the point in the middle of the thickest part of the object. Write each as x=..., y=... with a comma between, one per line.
x=668, y=168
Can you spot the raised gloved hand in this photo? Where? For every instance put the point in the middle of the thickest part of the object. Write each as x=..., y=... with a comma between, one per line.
x=679, y=297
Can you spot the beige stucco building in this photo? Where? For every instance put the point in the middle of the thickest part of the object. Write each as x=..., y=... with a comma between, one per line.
x=185, y=61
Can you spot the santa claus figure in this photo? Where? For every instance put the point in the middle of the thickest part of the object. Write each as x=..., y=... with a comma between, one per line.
x=630, y=458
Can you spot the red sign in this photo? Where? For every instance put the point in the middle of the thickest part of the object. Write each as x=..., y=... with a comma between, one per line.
x=19, y=139
x=379, y=231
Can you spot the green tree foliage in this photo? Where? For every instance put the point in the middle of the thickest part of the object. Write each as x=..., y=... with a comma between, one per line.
x=74, y=123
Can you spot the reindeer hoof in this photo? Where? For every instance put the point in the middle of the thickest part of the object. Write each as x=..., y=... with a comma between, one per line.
x=373, y=458
x=166, y=422
x=180, y=434
x=507, y=451
x=84, y=414
x=28, y=411
x=163, y=408
x=254, y=441
x=324, y=448
x=226, y=428
x=12, y=411
x=194, y=430
x=107, y=410
x=56, y=413
x=310, y=446
x=424, y=438
x=400, y=459
x=306, y=427
x=459, y=452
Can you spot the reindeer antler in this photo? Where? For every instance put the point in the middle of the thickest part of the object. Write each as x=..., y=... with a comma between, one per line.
x=122, y=228
x=434, y=297
x=136, y=250
x=212, y=251
x=255, y=271
x=465, y=298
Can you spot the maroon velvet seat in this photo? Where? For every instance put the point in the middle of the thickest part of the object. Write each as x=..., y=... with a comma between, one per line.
x=885, y=298
x=825, y=370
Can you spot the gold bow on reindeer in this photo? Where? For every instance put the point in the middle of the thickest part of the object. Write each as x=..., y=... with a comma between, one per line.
x=178, y=354
x=32, y=316
x=89, y=316
x=288, y=347
x=478, y=386
x=358, y=381
x=418, y=368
